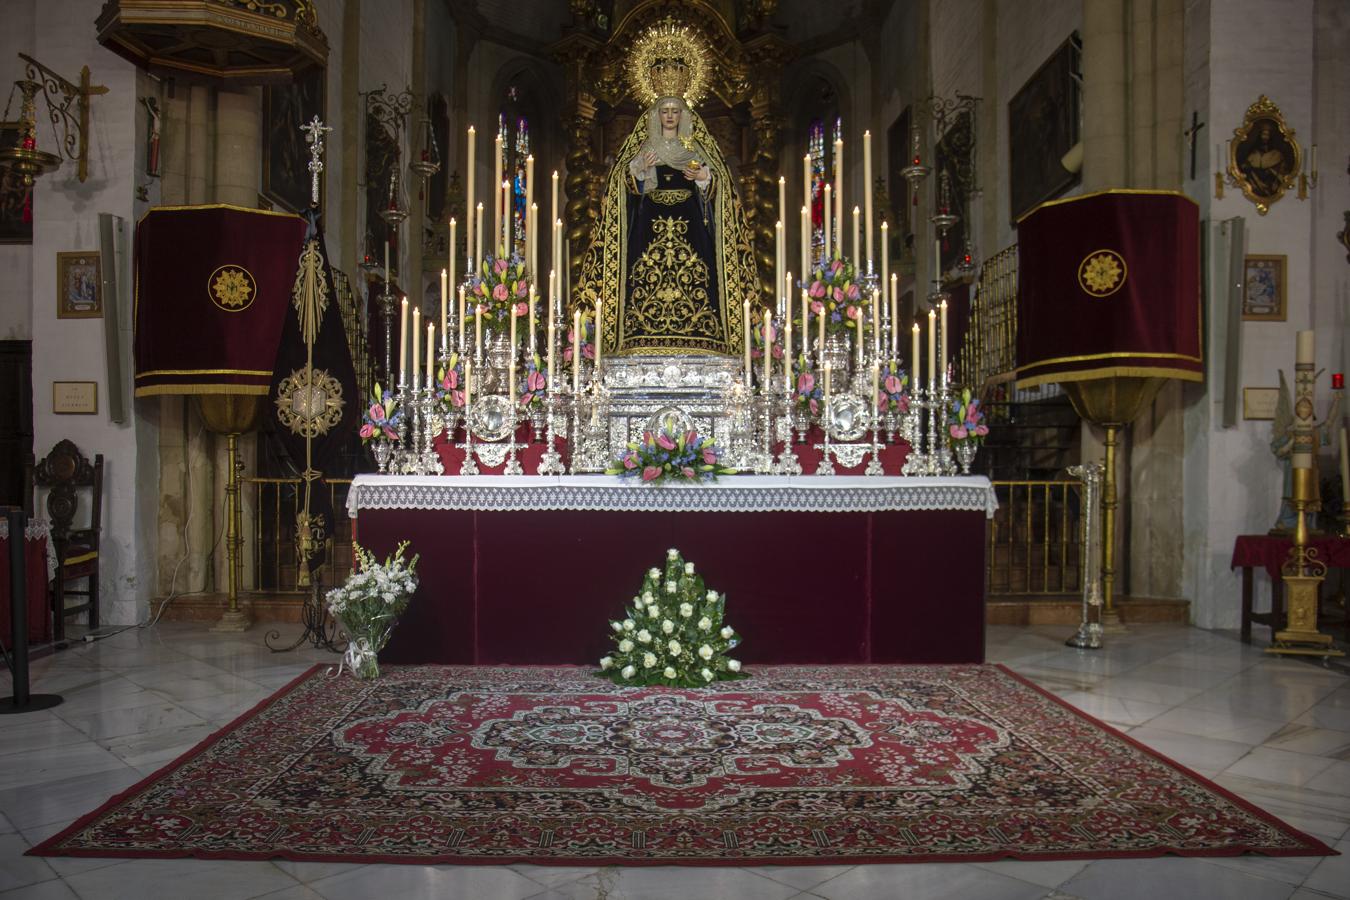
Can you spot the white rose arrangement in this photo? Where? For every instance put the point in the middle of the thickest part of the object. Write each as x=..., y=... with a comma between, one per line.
x=369, y=603
x=686, y=640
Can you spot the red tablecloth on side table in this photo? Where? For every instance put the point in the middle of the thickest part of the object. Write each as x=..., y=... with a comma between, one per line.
x=35, y=561
x=1270, y=552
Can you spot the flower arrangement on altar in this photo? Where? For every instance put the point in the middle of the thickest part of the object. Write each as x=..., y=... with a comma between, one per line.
x=666, y=457
x=893, y=388
x=381, y=420
x=369, y=603
x=534, y=387
x=966, y=422
x=807, y=393
x=587, y=339
x=834, y=292
x=673, y=633
x=450, y=383
x=757, y=339
x=499, y=290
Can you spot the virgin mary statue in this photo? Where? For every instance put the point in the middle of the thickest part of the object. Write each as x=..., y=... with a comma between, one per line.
x=671, y=258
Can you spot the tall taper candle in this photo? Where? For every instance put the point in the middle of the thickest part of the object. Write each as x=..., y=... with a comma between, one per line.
x=876, y=322
x=416, y=345
x=553, y=217
x=534, y=242
x=403, y=344
x=806, y=183
x=468, y=389
x=867, y=194
x=552, y=286
x=507, y=237
x=745, y=312
x=876, y=395
x=477, y=240
x=806, y=243
x=829, y=207
x=511, y=360
x=431, y=355
x=778, y=265
x=478, y=332
x=820, y=337
x=782, y=201
x=450, y=263
x=552, y=334
x=942, y=331
x=445, y=299
x=856, y=212
x=461, y=319
x=895, y=316
x=806, y=328
x=932, y=345
x=533, y=323
x=599, y=337
x=576, y=353
x=787, y=354
x=839, y=196
x=529, y=208
x=768, y=355
x=885, y=250
x=496, y=191
x=914, y=357
x=469, y=204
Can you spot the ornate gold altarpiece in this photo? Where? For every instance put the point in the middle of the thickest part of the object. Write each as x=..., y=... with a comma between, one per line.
x=743, y=109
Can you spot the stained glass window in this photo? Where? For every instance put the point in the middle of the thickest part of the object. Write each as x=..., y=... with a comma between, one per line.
x=515, y=132
x=822, y=169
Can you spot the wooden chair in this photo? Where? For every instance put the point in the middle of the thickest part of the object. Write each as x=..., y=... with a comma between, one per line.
x=64, y=472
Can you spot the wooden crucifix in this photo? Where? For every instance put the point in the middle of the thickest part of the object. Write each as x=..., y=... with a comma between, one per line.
x=1194, y=132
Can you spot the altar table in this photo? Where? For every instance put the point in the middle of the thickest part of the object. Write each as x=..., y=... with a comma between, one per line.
x=1269, y=552
x=530, y=569
x=38, y=568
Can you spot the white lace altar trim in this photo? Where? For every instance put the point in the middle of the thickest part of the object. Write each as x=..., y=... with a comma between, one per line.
x=738, y=493
x=36, y=529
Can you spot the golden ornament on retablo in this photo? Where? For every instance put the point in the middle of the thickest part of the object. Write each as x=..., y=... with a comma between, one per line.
x=668, y=60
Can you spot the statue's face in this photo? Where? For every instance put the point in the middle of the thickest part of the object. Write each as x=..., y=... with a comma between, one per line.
x=670, y=116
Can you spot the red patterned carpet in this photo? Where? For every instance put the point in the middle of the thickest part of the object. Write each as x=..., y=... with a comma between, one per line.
x=796, y=765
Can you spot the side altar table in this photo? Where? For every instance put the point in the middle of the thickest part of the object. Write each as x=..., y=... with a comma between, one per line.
x=530, y=569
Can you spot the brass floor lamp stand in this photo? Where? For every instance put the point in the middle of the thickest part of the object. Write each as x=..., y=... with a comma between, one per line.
x=231, y=415
x=1303, y=574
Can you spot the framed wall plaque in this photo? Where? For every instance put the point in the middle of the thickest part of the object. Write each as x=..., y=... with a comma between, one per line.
x=1258, y=403
x=79, y=288
x=78, y=398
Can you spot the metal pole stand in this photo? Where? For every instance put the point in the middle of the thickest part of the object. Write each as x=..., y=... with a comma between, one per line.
x=22, y=701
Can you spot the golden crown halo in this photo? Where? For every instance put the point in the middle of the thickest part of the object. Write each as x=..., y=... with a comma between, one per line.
x=668, y=60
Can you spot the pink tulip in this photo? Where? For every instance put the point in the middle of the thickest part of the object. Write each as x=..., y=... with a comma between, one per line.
x=567, y=352
x=805, y=383
x=852, y=312
x=853, y=292
x=499, y=266
x=815, y=407
x=457, y=398
x=366, y=431
x=817, y=289
x=522, y=290
x=893, y=384
x=526, y=399
x=688, y=473
x=958, y=432
x=710, y=456
x=836, y=266
x=817, y=307
x=390, y=433
x=651, y=472
x=981, y=430
x=904, y=404
x=629, y=462
x=522, y=309
x=690, y=436
x=451, y=380
x=777, y=352
x=377, y=411
x=500, y=292
x=838, y=295
x=535, y=381
x=664, y=442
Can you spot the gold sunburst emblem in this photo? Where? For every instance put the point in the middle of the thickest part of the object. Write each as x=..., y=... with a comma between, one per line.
x=232, y=288
x=1102, y=273
x=309, y=402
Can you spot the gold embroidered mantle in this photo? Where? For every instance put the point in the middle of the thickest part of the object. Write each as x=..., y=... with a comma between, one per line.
x=605, y=266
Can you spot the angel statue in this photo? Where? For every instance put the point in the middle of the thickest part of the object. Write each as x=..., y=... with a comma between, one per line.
x=1282, y=445
x=671, y=256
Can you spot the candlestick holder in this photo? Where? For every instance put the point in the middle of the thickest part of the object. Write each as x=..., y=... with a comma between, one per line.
x=513, y=466
x=874, y=464
x=787, y=462
x=432, y=423
x=761, y=458
x=551, y=463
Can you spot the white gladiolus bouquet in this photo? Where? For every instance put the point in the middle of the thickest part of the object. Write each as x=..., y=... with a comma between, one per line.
x=675, y=605
x=369, y=603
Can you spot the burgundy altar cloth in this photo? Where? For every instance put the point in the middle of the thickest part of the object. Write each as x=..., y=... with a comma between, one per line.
x=35, y=570
x=1270, y=552
x=540, y=586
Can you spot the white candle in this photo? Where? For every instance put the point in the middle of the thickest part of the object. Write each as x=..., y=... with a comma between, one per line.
x=914, y=356
x=511, y=360
x=403, y=344
x=576, y=353
x=507, y=237
x=820, y=337
x=552, y=286
x=552, y=218
x=858, y=341
x=468, y=206
x=806, y=190
x=782, y=199
x=534, y=239
x=806, y=244
x=496, y=189
x=529, y=207
x=895, y=316
x=876, y=323
x=416, y=343
x=450, y=262
x=461, y=318
x=876, y=394
x=551, y=335
x=1304, y=347
x=942, y=355
x=478, y=237
x=839, y=196
x=856, y=213
x=468, y=388
x=745, y=312
x=806, y=325
x=885, y=250
x=867, y=193
x=557, y=260
x=431, y=354
x=932, y=345
x=778, y=264
x=787, y=355
x=533, y=321
x=478, y=331
x=829, y=246
x=827, y=385
x=599, y=336
x=445, y=302
x=768, y=354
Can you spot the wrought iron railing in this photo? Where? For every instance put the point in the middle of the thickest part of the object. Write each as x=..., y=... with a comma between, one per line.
x=988, y=354
x=275, y=502
x=1035, y=539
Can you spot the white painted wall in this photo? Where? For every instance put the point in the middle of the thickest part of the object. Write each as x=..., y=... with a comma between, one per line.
x=16, y=260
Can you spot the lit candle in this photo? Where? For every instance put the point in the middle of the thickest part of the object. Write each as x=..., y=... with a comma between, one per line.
x=914, y=356
x=806, y=244
x=876, y=394
x=787, y=355
x=445, y=298
x=806, y=188
x=533, y=321
x=552, y=219
x=829, y=255
x=932, y=345
x=895, y=316
x=431, y=354
x=551, y=335
x=403, y=344
x=745, y=312
x=529, y=207
x=576, y=353
x=787, y=319
x=806, y=326
x=942, y=355
x=478, y=237
x=867, y=193
x=461, y=318
x=557, y=259
x=552, y=286
x=450, y=263
x=496, y=189
x=782, y=199
x=416, y=344
x=507, y=237
x=511, y=360
x=859, y=339
x=768, y=354
x=856, y=213
x=599, y=336
x=885, y=250
x=534, y=239
x=839, y=195
x=468, y=206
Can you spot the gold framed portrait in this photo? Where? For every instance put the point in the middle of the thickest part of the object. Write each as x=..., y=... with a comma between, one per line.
x=1264, y=279
x=79, y=285
x=1263, y=157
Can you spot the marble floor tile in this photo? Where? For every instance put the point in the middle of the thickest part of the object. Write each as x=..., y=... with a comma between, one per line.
x=36, y=731
x=157, y=748
x=1047, y=873
x=1279, y=766
x=1335, y=779
x=108, y=724
x=70, y=760
x=17, y=870
x=29, y=805
x=1310, y=739
x=803, y=878
x=426, y=883
x=663, y=882
x=43, y=890
x=198, y=879
x=1223, y=725
x=1115, y=710
x=1194, y=879
x=1332, y=874
x=933, y=881
x=1205, y=755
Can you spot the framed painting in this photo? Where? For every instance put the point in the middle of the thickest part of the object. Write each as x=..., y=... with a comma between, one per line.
x=953, y=157
x=79, y=289
x=13, y=196
x=1263, y=157
x=285, y=153
x=1263, y=288
x=1043, y=125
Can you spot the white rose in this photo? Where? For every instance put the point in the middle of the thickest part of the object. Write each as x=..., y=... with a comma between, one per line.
x=727, y=632
x=686, y=610
x=628, y=672
x=670, y=672
x=734, y=665
x=674, y=648
x=712, y=596
x=644, y=636
x=672, y=553
x=689, y=568
x=704, y=624
x=667, y=626
x=647, y=595
x=617, y=626
x=705, y=651
x=671, y=587
x=654, y=611
x=625, y=646
x=707, y=674
x=605, y=663
x=648, y=660
x=628, y=625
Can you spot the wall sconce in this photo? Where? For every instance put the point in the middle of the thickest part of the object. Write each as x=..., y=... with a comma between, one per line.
x=24, y=158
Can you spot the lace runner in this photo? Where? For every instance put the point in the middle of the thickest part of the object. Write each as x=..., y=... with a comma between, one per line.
x=36, y=529
x=741, y=493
